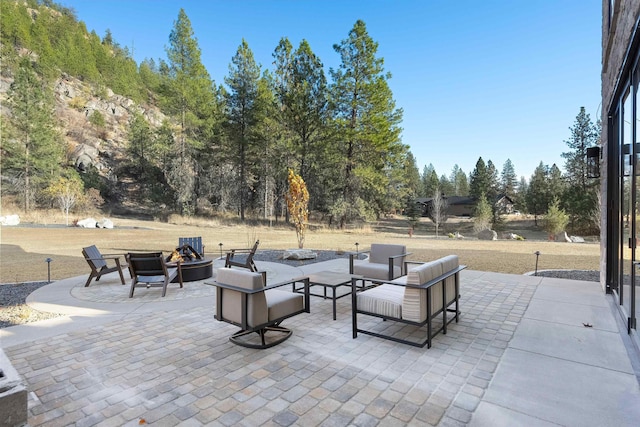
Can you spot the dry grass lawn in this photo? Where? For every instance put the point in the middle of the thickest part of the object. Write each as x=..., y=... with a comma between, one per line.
x=23, y=249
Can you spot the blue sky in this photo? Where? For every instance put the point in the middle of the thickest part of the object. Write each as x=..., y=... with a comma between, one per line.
x=497, y=79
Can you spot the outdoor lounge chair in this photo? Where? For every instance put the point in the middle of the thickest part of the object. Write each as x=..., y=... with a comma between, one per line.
x=193, y=242
x=150, y=270
x=385, y=262
x=247, y=262
x=427, y=296
x=242, y=299
x=98, y=264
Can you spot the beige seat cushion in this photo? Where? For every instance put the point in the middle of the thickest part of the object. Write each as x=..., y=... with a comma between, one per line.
x=375, y=271
x=385, y=300
x=283, y=303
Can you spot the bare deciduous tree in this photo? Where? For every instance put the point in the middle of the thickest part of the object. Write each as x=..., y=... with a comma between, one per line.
x=438, y=210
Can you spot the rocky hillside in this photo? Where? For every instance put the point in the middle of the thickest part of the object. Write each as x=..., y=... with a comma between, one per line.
x=90, y=144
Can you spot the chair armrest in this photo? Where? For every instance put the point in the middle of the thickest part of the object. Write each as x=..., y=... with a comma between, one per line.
x=305, y=280
x=400, y=256
x=423, y=285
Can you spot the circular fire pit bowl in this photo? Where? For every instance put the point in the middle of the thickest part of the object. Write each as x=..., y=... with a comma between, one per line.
x=197, y=269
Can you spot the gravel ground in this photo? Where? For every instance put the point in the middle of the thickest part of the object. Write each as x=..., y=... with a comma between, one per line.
x=15, y=311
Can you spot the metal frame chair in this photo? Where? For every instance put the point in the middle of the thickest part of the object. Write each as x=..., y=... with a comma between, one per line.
x=243, y=300
x=150, y=270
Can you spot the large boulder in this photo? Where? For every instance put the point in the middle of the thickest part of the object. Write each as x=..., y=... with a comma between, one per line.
x=299, y=254
x=576, y=239
x=9, y=220
x=562, y=237
x=105, y=223
x=87, y=223
x=487, y=235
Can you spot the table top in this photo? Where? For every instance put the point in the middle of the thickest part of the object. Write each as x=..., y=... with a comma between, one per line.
x=331, y=278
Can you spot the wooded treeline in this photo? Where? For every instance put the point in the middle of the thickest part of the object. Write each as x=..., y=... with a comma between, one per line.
x=227, y=146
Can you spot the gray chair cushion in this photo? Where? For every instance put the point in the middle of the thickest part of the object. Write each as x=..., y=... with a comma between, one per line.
x=283, y=303
x=375, y=271
x=257, y=312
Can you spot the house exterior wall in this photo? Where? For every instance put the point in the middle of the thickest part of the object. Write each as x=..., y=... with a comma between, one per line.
x=619, y=20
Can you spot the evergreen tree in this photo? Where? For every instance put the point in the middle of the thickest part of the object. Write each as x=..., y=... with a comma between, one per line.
x=480, y=180
x=520, y=198
x=494, y=182
x=508, y=179
x=584, y=134
x=32, y=149
x=367, y=121
x=430, y=181
x=242, y=112
x=460, y=182
x=445, y=186
x=189, y=95
x=538, y=193
x=579, y=198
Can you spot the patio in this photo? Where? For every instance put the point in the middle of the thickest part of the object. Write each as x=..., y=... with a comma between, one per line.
x=521, y=355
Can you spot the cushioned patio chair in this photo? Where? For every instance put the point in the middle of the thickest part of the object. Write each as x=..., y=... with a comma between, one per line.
x=243, y=262
x=99, y=266
x=386, y=262
x=428, y=295
x=243, y=300
x=150, y=270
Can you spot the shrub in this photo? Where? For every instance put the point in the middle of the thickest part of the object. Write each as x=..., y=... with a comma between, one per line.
x=556, y=219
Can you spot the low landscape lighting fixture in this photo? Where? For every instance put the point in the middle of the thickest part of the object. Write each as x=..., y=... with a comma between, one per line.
x=48, y=261
x=537, y=256
x=220, y=244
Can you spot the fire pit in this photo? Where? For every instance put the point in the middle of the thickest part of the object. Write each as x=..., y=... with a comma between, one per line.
x=192, y=265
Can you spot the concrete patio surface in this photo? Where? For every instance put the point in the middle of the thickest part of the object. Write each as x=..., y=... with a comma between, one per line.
x=520, y=355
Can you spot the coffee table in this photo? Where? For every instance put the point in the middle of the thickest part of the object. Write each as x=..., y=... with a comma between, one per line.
x=332, y=280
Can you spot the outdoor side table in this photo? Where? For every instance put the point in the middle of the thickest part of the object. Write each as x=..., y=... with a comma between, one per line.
x=332, y=280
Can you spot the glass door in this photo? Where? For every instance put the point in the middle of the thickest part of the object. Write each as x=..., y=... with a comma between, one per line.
x=627, y=219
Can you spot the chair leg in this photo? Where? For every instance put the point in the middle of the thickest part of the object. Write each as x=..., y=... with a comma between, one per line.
x=91, y=276
x=133, y=286
x=286, y=333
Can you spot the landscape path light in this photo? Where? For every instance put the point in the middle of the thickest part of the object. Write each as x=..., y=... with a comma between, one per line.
x=357, y=253
x=220, y=244
x=48, y=261
x=537, y=255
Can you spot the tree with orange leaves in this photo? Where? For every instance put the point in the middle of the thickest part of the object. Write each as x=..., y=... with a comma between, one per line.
x=298, y=205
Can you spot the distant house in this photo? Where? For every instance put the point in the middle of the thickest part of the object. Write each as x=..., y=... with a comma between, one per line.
x=464, y=205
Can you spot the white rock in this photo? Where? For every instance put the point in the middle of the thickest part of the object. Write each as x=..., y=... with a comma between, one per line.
x=562, y=237
x=299, y=254
x=87, y=223
x=105, y=223
x=9, y=220
x=576, y=239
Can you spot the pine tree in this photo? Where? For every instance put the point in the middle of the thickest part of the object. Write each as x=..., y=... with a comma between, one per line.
x=32, y=149
x=460, y=182
x=367, y=121
x=579, y=198
x=480, y=180
x=242, y=112
x=538, y=193
x=430, y=181
x=584, y=134
x=188, y=93
x=508, y=179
